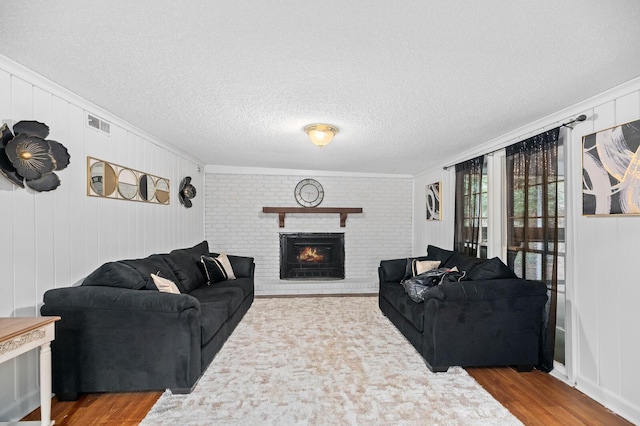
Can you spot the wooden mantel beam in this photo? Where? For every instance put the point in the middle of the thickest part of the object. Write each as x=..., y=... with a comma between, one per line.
x=342, y=211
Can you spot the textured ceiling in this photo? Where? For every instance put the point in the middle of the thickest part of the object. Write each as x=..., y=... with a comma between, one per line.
x=408, y=83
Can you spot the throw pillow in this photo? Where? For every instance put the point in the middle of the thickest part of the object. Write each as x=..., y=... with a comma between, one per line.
x=420, y=266
x=184, y=264
x=164, y=285
x=116, y=274
x=226, y=264
x=491, y=269
x=217, y=269
x=463, y=262
x=436, y=253
x=408, y=269
x=153, y=264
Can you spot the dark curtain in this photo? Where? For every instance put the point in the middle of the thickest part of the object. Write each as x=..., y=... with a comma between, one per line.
x=533, y=222
x=468, y=206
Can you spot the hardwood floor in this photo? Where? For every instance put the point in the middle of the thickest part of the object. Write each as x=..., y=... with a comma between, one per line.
x=535, y=398
x=105, y=409
x=538, y=398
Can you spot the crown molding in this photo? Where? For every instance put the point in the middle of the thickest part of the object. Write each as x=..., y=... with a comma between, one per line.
x=239, y=170
x=31, y=77
x=550, y=121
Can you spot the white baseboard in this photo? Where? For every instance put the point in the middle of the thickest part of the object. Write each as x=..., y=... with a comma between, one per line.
x=612, y=401
x=17, y=410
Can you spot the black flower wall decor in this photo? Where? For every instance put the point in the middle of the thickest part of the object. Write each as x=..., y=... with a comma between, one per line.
x=186, y=192
x=27, y=158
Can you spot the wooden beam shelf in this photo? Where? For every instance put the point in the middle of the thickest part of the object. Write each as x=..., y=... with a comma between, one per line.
x=342, y=211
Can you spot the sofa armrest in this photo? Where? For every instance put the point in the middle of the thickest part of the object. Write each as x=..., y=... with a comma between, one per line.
x=392, y=270
x=481, y=323
x=116, y=298
x=467, y=291
x=115, y=339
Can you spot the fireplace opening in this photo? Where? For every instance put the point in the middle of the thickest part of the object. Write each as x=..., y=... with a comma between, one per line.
x=312, y=256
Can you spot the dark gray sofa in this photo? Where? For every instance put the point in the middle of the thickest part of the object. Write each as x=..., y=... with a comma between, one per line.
x=118, y=333
x=491, y=318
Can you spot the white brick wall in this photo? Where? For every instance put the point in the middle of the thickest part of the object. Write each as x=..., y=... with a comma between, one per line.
x=234, y=223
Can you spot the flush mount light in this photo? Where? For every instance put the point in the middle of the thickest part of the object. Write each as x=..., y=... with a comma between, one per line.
x=321, y=134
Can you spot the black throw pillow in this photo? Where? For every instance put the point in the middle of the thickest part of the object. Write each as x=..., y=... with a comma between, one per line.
x=216, y=270
x=436, y=253
x=184, y=264
x=153, y=264
x=491, y=269
x=463, y=262
x=116, y=274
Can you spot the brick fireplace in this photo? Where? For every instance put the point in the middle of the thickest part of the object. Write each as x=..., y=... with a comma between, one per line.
x=235, y=223
x=311, y=256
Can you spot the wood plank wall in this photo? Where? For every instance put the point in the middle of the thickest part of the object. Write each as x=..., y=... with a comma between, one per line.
x=54, y=239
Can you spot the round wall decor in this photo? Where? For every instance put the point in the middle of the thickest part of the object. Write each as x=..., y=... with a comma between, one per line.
x=309, y=193
x=187, y=192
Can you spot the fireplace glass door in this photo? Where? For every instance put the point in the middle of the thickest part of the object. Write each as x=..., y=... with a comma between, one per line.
x=312, y=256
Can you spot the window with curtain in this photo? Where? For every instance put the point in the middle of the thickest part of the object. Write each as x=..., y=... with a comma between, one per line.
x=535, y=222
x=471, y=208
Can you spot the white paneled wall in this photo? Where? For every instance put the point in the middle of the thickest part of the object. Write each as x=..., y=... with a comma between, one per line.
x=605, y=278
x=603, y=290
x=235, y=224
x=435, y=232
x=54, y=239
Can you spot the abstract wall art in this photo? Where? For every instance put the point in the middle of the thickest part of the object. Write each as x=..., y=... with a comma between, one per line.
x=433, y=201
x=611, y=171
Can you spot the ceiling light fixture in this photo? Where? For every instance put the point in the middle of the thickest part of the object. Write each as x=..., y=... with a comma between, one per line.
x=321, y=134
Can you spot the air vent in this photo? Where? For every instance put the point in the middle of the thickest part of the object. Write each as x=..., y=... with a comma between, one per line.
x=98, y=123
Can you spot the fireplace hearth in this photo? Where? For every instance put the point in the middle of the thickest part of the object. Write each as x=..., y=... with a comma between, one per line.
x=312, y=256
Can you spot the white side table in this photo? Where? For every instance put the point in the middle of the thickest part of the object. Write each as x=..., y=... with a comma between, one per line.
x=20, y=335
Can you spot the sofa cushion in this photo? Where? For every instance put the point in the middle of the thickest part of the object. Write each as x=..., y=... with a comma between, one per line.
x=464, y=263
x=436, y=253
x=232, y=297
x=153, y=264
x=244, y=284
x=490, y=269
x=410, y=310
x=116, y=274
x=213, y=315
x=184, y=264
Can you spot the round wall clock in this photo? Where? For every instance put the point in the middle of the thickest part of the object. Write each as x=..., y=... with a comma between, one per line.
x=309, y=193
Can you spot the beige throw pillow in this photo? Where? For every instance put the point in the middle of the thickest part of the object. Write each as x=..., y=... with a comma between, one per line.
x=420, y=266
x=164, y=285
x=226, y=264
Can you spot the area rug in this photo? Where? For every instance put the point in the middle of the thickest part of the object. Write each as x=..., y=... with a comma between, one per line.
x=325, y=361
